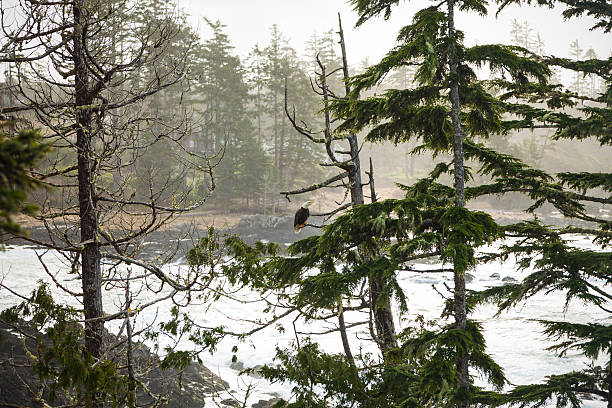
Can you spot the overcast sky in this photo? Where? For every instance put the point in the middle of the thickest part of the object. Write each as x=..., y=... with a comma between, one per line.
x=249, y=21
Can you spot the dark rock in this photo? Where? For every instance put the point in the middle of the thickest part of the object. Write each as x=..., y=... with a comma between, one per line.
x=186, y=388
x=495, y=275
x=237, y=365
x=265, y=404
x=469, y=277
x=277, y=229
x=256, y=371
x=231, y=403
x=509, y=279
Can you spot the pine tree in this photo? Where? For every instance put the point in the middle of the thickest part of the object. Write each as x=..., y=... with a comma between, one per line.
x=221, y=98
x=88, y=74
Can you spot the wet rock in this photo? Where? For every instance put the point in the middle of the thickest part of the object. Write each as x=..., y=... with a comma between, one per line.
x=266, y=404
x=255, y=372
x=231, y=403
x=237, y=365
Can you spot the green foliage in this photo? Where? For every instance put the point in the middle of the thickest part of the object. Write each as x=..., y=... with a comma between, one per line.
x=555, y=264
x=18, y=155
x=370, y=240
x=597, y=9
x=61, y=360
x=423, y=112
x=378, y=240
x=436, y=353
x=565, y=388
x=585, y=181
x=591, y=339
x=381, y=239
x=337, y=382
x=368, y=8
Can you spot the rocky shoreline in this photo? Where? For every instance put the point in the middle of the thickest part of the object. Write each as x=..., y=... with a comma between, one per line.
x=19, y=386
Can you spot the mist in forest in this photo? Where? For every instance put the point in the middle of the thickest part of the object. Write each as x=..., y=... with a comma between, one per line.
x=308, y=28
x=234, y=98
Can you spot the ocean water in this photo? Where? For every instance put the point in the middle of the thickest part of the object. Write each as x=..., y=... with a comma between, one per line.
x=513, y=339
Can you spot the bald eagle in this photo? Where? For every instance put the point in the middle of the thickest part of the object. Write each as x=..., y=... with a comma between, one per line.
x=301, y=216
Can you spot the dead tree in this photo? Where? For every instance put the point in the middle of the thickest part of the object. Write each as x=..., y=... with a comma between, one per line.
x=86, y=76
x=349, y=175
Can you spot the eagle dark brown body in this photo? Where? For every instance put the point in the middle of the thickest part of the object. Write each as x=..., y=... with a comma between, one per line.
x=301, y=216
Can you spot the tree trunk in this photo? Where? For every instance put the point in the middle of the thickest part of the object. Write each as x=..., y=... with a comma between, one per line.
x=281, y=156
x=610, y=380
x=459, y=294
x=90, y=253
x=383, y=315
x=345, y=342
x=355, y=173
x=381, y=306
x=276, y=155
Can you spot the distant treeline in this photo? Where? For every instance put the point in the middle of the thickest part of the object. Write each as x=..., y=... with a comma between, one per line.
x=233, y=111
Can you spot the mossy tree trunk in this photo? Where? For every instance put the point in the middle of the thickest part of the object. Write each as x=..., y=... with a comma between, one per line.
x=90, y=251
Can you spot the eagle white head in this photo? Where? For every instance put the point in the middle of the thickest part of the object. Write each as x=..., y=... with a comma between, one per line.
x=307, y=204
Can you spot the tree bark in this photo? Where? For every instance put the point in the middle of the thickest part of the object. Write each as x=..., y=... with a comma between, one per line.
x=383, y=315
x=610, y=380
x=90, y=252
x=355, y=172
x=459, y=274
x=345, y=341
x=281, y=157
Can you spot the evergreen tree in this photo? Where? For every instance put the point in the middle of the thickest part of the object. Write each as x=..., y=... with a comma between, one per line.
x=583, y=198
x=576, y=52
x=324, y=47
x=88, y=72
x=448, y=109
x=255, y=76
x=592, y=82
x=222, y=99
x=294, y=159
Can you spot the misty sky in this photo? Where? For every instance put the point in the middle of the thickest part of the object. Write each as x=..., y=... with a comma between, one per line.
x=248, y=23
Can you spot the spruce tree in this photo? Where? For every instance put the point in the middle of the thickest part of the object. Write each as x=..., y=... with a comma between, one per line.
x=294, y=159
x=221, y=100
